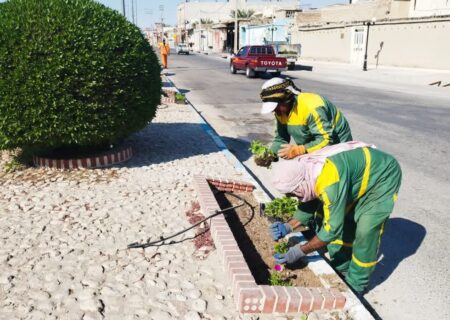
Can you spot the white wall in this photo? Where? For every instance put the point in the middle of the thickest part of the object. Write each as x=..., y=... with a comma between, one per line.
x=408, y=43
x=422, y=45
x=422, y=8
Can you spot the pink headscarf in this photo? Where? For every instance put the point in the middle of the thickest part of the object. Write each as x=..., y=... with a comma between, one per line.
x=298, y=176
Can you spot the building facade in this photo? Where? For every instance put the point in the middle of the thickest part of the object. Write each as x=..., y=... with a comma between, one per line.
x=389, y=32
x=209, y=26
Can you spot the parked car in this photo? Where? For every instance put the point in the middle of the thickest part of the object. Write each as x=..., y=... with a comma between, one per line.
x=289, y=51
x=182, y=48
x=256, y=59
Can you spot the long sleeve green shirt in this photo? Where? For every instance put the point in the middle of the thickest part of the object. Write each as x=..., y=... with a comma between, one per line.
x=356, y=180
x=314, y=122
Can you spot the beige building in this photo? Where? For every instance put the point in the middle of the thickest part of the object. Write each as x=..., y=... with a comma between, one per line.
x=208, y=26
x=405, y=33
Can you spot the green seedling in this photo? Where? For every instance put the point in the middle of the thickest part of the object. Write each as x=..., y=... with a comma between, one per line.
x=281, y=208
x=281, y=247
x=263, y=155
x=179, y=97
x=13, y=165
x=276, y=279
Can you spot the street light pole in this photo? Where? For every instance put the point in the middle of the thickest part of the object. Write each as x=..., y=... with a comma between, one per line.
x=123, y=7
x=369, y=23
x=235, y=49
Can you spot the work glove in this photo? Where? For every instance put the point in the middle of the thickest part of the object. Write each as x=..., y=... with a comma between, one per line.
x=290, y=151
x=279, y=230
x=294, y=254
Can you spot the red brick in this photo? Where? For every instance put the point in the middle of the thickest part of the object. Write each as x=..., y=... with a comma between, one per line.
x=242, y=278
x=329, y=299
x=231, y=259
x=282, y=299
x=306, y=299
x=269, y=299
x=339, y=298
x=295, y=300
x=317, y=298
x=250, y=301
x=241, y=285
x=238, y=264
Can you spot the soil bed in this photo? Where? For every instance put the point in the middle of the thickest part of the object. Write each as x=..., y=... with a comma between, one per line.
x=251, y=232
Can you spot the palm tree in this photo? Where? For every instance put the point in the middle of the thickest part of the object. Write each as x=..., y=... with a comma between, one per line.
x=206, y=21
x=242, y=14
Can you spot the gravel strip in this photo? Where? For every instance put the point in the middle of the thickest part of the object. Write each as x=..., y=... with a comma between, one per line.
x=63, y=235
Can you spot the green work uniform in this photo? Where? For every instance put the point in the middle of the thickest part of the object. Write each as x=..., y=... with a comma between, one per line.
x=356, y=192
x=313, y=122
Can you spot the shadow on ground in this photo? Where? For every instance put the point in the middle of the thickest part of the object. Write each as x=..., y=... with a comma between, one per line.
x=165, y=142
x=300, y=67
x=402, y=238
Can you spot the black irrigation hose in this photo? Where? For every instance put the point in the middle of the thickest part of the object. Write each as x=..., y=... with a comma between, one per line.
x=161, y=240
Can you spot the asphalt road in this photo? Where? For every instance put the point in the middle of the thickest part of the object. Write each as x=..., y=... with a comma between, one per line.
x=412, y=281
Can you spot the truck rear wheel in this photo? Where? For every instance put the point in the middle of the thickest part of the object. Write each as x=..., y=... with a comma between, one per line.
x=249, y=72
x=232, y=69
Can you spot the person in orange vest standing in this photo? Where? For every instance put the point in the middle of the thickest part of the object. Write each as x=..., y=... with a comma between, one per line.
x=164, y=49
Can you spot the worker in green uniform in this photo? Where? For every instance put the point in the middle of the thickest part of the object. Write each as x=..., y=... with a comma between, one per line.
x=356, y=186
x=311, y=120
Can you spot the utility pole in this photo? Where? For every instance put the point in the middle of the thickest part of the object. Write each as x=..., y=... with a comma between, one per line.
x=235, y=48
x=161, y=8
x=136, y=12
x=369, y=23
x=123, y=7
x=132, y=11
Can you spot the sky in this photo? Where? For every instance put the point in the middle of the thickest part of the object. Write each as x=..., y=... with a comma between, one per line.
x=149, y=10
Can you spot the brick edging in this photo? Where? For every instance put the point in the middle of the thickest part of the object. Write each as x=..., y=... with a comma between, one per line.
x=89, y=162
x=249, y=296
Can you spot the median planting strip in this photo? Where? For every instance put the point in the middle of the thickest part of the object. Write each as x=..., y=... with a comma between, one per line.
x=249, y=296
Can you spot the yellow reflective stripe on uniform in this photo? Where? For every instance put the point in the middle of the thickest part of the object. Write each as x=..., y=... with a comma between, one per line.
x=326, y=138
x=338, y=116
x=363, y=264
x=342, y=243
x=381, y=234
x=326, y=212
x=366, y=175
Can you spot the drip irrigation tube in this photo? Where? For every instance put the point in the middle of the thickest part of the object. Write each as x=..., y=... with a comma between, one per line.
x=162, y=239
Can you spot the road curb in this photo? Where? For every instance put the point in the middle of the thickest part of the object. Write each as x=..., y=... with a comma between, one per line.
x=319, y=266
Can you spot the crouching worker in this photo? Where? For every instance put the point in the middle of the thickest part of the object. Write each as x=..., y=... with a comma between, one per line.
x=311, y=120
x=356, y=186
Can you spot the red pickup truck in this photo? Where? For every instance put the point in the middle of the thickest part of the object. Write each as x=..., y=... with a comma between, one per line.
x=256, y=59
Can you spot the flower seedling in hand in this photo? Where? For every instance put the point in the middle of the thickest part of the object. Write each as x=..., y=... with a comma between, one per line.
x=281, y=247
x=262, y=154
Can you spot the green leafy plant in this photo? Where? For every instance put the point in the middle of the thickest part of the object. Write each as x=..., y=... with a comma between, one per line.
x=179, y=97
x=277, y=279
x=281, y=247
x=262, y=154
x=13, y=165
x=73, y=74
x=281, y=208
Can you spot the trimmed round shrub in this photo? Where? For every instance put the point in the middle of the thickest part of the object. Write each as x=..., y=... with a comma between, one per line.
x=73, y=73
